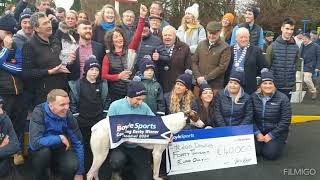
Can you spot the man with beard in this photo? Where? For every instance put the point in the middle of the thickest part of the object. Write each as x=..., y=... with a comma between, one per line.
x=87, y=46
x=41, y=62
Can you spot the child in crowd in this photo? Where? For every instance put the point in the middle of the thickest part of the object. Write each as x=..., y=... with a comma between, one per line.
x=89, y=101
x=154, y=97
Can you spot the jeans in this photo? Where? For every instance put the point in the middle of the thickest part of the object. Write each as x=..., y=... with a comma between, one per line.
x=61, y=162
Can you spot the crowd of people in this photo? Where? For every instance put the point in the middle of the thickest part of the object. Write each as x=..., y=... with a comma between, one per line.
x=65, y=73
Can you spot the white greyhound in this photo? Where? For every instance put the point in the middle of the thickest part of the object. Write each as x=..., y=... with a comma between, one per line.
x=100, y=142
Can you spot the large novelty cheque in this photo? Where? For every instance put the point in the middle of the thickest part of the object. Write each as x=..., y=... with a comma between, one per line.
x=137, y=129
x=207, y=149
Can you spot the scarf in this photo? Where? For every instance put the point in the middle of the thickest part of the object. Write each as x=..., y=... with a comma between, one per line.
x=107, y=26
x=190, y=28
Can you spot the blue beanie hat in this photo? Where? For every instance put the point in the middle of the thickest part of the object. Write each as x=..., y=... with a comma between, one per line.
x=186, y=78
x=266, y=75
x=204, y=86
x=237, y=75
x=136, y=88
x=26, y=13
x=91, y=62
x=8, y=23
x=146, y=63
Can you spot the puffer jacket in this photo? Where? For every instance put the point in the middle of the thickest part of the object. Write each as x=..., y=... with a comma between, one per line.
x=283, y=57
x=198, y=35
x=272, y=115
x=149, y=44
x=229, y=113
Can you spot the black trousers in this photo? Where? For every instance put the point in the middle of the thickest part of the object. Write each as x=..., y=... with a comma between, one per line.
x=61, y=162
x=105, y=170
x=271, y=150
x=133, y=163
x=16, y=110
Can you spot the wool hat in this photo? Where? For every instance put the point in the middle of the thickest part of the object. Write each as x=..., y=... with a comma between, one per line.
x=255, y=10
x=26, y=13
x=204, y=86
x=237, y=75
x=186, y=78
x=136, y=88
x=8, y=23
x=90, y=63
x=194, y=10
x=214, y=26
x=230, y=17
x=266, y=75
x=1, y=100
x=269, y=33
x=146, y=63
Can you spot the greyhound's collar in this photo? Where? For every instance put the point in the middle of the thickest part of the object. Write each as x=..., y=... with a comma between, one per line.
x=188, y=121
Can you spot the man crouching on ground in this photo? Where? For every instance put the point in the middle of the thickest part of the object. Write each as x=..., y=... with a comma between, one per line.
x=51, y=128
x=132, y=157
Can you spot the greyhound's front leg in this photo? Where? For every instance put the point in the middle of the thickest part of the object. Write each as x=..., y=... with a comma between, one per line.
x=157, y=156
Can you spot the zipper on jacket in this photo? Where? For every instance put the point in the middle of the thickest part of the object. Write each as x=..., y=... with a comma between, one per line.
x=263, y=111
x=230, y=120
x=15, y=85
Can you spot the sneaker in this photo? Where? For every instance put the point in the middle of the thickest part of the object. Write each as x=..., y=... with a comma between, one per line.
x=18, y=159
x=314, y=96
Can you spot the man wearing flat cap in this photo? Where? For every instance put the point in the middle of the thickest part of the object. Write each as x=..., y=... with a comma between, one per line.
x=268, y=39
x=155, y=25
x=211, y=58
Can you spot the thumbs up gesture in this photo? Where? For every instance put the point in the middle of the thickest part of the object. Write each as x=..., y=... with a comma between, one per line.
x=156, y=55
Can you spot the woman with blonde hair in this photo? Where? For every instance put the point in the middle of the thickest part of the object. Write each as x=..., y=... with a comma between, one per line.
x=272, y=117
x=227, y=27
x=181, y=98
x=191, y=31
x=107, y=20
x=233, y=106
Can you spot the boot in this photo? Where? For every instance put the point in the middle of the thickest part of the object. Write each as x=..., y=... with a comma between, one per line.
x=314, y=95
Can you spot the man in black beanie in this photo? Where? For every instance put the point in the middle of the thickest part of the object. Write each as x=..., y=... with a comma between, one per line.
x=132, y=154
x=256, y=32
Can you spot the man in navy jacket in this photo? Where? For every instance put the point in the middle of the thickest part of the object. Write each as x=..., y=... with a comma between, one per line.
x=52, y=129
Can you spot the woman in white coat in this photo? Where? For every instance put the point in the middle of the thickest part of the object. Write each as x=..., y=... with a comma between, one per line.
x=191, y=31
